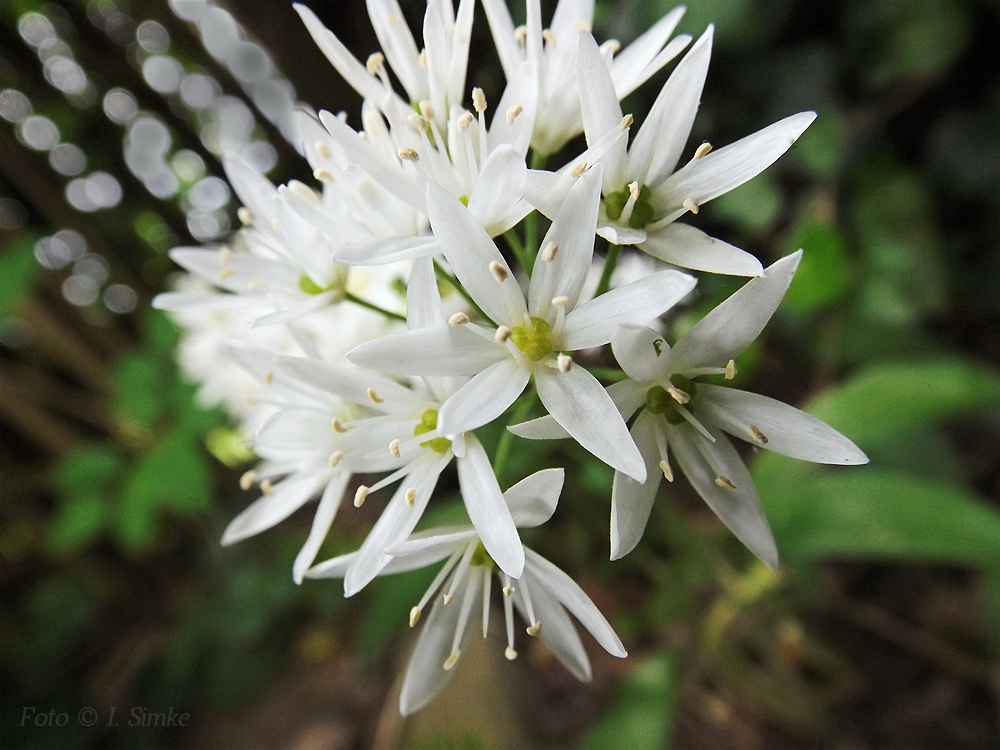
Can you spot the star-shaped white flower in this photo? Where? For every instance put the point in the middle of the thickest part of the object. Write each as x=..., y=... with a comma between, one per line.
x=542, y=595
x=529, y=337
x=688, y=419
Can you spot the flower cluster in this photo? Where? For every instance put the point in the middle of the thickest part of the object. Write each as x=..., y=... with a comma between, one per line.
x=370, y=324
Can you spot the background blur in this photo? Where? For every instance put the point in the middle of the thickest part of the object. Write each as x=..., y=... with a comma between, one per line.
x=882, y=628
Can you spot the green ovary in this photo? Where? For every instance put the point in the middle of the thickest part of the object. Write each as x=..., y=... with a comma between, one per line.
x=534, y=343
x=482, y=558
x=659, y=400
x=642, y=211
x=429, y=422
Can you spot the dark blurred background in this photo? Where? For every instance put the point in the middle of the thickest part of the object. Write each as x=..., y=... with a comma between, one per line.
x=882, y=628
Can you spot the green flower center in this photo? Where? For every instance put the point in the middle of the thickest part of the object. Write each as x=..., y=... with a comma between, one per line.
x=482, y=558
x=339, y=283
x=428, y=423
x=660, y=401
x=642, y=210
x=534, y=343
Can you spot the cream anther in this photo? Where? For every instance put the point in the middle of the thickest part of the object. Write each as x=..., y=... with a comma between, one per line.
x=668, y=473
x=690, y=205
x=408, y=154
x=323, y=175
x=422, y=59
x=612, y=44
x=322, y=149
x=759, y=436
x=549, y=37
x=579, y=169
x=730, y=370
x=500, y=273
x=549, y=252
x=513, y=112
x=464, y=121
x=275, y=225
x=725, y=482
x=565, y=362
x=225, y=273
x=633, y=189
x=508, y=591
x=342, y=116
x=418, y=122
x=560, y=301
x=410, y=496
x=510, y=653
x=458, y=319
x=225, y=254
x=266, y=487
x=702, y=150
x=452, y=660
x=374, y=62
x=255, y=284
x=520, y=33
x=479, y=100
x=360, y=495
x=269, y=376
x=244, y=215
x=581, y=24
x=376, y=399
x=426, y=109
x=414, y=616
x=681, y=397
x=394, y=447
x=502, y=334
x=335, y=458
x=534, y=629
x=246, y=481
x=448, y=599
x=626, y=122
x=394, y=18
x=302, y=190
x=337, y=425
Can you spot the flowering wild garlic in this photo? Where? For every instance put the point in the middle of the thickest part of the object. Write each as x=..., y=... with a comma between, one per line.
x=300, y=325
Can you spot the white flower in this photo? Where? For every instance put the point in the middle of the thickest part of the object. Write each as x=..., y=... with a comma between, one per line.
x=542, y=595
x=689, y=418
x=529, y=337
x=552, y=54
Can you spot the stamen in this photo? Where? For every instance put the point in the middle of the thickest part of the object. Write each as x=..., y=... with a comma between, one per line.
x=560, y=301
x=508, y=614
x=302, y=190
x=374, y=62
x=360, y=495
x=464, y=121
x=225, y=254
x=266, y=487
x=502, y=334
x=731, y=370
x=410, y=154
x=322, y=149
x=510, y=653
x=463, y=566
x=375, y=397
x=323, y=175
x=508, y=590
x=681, y=397
x=535, y=629
x=579, y=169
x=668, y=473
x=512, y=113
x=244, y=215
x=690, y=205
x=276, y=225
x=452, y=660
x=581, y=24
x=487, y=580
x=458, y=319
x=725, y=482
x=418, y=122
x=520, y=33
x=549, y=252
x=435, y=585
x=255, y=284
x=426, y=109
x=337, y=425
x=335, y=458
x=565, y=362
x=720, y=479
x=225, y=273
x=694, y=422
x=549, y=37
x=394, y=447
x=614, y=45
x=422, y=59
x=499, y=272
x=269, y=376
x=702, y=150
x=633, y=196
x=463, y=618
x=410, y=496
x=626, y=122
x=526, y=595
x=414, y=616
x=759, y=436
x=246, y=481
x=478, y=100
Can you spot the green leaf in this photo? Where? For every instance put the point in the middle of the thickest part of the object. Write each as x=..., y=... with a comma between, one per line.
x=18, y=271
x=754, y=204
x=141, y=388
x=822, y=275
x=89, y=470
x=641, y=715
x=873, y=513
x=80, y=519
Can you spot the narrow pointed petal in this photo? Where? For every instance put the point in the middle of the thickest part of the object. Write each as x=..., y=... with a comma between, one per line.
x=423, y=300
x=586, y=411
x=295, y=311
x=642, y=352
x=601, y=111
x=335, y=567
x=532, y=501
x=286, y=497
x=788, y=430
x=484, y=398
x=441, y=350
x=385, y=251
x=498, y=189
x=426, y=675
x=731, y=166
x=521, y=91
x=470, y=253
x=437, y=543
x=683, y=245
x=573, y=598
x=487, y=509
x=594, y=323
x=626, y=395
x=731, y=327
x=325, y=513
x=339, y=56
x=349, y=383
x=619, y=235
x=740, y=509
x=502, y=28
x=253, y=189
x=631, y=501
x=558, y=632
x=634, y=64
x=397, y=43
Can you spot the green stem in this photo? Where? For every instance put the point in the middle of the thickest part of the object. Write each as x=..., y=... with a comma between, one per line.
x=610, y=263
x=527, y=401
x=451, y=281
x=607, y=373
x=520, y=250
x=371, y=306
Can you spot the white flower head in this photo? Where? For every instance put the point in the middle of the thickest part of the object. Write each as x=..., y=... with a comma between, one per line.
x=461, y=591
x=530, y=335
x=685, y=421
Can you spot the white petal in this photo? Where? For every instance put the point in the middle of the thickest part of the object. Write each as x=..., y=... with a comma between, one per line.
x=335, y=567
x=572, y=231
x=558, y=631
x=627, y=396
x=502, y=28
x=325, y=512
x=471, y=253
x=739, y=509
x=498, y=189
x=642, y=352
x=631, y=501
x=437, y=543
x=339, y=56
x=398, y=45
x=619, y=235
x=532, y=501
x=522, y=91
x=732, y=326
x=295, y=311
x=440, y=350
x=253, y=189
x=484, y=398
x=685, y=246
x=423, y=300
x=595, y=322
x=487, y=509
x=586, y=411
x=384, y=251
x=350, y=383
x=601, y=112
x=722, y=170
x=788, y=430
x=573, y=598
x=643, y=57
x=286, y=497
